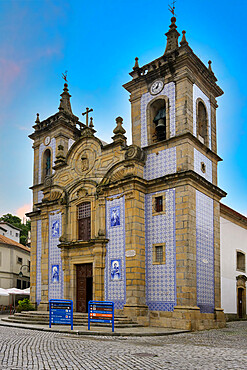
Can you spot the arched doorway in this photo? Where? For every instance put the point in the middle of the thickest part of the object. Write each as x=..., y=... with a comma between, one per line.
x=241, y=296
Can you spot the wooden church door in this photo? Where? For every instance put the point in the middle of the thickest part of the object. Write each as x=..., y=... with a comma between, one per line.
x=84, y=286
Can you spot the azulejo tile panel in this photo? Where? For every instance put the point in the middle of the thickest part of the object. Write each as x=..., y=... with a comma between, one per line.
x=197, y=93
x=115, y=276
x=42, y=148
x=161, y=279
x=40, y=196
x=55, y=261
x=169, y=91
x=161, y=164
x=200, y=158
x=205, y=252
x=38, y=263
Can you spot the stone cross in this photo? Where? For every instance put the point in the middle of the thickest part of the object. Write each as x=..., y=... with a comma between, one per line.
x=86, y=113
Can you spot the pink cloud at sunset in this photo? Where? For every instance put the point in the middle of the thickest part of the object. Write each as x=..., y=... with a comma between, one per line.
x=20, y=212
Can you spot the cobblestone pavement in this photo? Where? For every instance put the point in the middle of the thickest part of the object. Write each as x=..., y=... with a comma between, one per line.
x=212, y=349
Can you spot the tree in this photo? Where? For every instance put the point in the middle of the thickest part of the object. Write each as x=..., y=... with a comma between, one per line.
x=16, y=221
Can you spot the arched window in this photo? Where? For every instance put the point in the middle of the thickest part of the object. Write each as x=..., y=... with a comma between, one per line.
x=202, y=122
x=47, y=163
x=158, y=117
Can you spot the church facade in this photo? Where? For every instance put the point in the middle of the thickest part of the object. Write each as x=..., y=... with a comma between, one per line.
x=135, y=224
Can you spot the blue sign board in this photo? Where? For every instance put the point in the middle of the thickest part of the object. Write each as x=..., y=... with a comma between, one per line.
x=101, y=311
x=61, y=312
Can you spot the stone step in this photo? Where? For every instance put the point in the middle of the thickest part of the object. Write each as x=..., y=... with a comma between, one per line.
x=80, y=319
x=84, y=323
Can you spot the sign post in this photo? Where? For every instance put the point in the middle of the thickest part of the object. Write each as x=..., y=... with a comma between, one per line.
x=61, y=312
x=101, y=311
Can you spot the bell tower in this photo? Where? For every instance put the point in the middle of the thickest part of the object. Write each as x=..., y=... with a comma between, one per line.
x=173, y=110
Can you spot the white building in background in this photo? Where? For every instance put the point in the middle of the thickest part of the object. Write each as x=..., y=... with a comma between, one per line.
x=233, y=239
x=10, y=231
x=14, y=258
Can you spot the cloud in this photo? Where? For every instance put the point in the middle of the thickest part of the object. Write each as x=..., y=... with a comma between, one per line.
x=20, y=212
x=9, y=71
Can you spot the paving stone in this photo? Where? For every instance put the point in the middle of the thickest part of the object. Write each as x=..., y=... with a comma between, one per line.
x=212, y=349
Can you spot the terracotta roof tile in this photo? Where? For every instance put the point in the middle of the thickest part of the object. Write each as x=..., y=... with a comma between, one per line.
x=5, y=240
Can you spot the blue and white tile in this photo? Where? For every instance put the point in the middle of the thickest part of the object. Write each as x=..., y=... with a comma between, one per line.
x=161, y=279
x=115, y=290
x=55, y=290
x=205, y=252
x=198, y=159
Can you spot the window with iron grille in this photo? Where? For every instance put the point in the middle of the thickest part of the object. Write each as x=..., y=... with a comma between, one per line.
x=159, y=254
x=84, y=221
x=159, y=204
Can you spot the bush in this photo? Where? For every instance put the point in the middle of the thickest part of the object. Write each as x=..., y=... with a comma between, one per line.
x=25, y=305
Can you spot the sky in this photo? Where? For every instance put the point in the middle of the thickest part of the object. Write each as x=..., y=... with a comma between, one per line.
x=97, y=42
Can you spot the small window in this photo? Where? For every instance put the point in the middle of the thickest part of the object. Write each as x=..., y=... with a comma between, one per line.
x=159, y=254
x=16, y=234
x=241, y=261
x=159, y=204
x=18, y=284
x=29, y=265
x=24, y=284
x=19, y=260
x=10, y=232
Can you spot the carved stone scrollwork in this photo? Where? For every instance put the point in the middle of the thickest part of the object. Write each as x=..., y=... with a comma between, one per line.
x=48, y=181
x=135, y=152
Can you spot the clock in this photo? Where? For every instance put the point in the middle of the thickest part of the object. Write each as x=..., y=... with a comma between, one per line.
x=47, y=140
x=156, y=87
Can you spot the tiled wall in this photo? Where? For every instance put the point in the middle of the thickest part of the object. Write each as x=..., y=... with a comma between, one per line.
x=161, y=164
x=42, y=148
x=161, y=279
x=197, y=93
x=169, y=91
x=55, y=283
x=38, y=263
x=40, y=196
x=205, y=252
x=115, y=288
x=198, y=159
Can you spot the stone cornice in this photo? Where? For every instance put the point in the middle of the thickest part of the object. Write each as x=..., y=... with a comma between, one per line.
x=187, y=135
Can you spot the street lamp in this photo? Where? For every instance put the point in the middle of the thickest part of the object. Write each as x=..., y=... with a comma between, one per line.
x=21, y=273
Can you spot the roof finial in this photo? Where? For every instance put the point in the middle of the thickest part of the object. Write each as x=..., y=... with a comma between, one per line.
x=209, y=66
x=37, y=119
x=91, y=125
x=172, y=35
x=65, y=105
x=183, y=41
x=136, y=66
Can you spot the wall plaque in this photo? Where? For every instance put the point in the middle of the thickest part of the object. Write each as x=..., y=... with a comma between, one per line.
x=130, y=253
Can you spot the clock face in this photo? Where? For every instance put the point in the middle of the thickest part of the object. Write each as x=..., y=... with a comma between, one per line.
x=47, y=140
x=156, y=87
